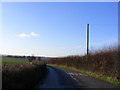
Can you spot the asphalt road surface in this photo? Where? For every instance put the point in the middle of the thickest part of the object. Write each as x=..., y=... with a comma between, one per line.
x=64, y=78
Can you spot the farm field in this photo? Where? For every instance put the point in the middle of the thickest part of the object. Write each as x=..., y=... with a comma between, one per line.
x=11, y=60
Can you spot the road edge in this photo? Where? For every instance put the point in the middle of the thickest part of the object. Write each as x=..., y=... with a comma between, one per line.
x=91, y=74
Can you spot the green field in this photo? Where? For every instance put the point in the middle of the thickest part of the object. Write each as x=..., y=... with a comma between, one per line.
x=11, y=60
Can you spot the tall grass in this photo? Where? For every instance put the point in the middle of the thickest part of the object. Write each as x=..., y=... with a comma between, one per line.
x=103, y=62
x=23, y=75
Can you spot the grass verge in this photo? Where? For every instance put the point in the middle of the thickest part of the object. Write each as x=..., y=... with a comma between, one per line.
x=107, y=79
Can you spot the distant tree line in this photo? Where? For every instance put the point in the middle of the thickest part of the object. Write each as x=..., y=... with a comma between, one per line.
x=14, y=56
x=30, y=58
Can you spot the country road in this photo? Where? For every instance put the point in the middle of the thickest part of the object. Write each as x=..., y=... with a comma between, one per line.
x=63, y=78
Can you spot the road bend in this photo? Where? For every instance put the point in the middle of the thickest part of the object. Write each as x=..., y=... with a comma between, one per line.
x=63, y=78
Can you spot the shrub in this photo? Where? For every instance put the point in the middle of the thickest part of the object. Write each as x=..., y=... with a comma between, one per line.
x=103, y=62
x=23, y=76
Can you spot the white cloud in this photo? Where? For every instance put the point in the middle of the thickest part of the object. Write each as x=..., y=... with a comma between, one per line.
x=23, y=35
x=33, y=34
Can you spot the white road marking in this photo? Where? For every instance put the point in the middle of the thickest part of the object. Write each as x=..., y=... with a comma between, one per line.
x=71, y=74
x=76, y=74
x=75, y=79
x=82, y=74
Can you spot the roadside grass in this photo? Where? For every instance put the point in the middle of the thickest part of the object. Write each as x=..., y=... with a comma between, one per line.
x=101, y=77
x=11, y=60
